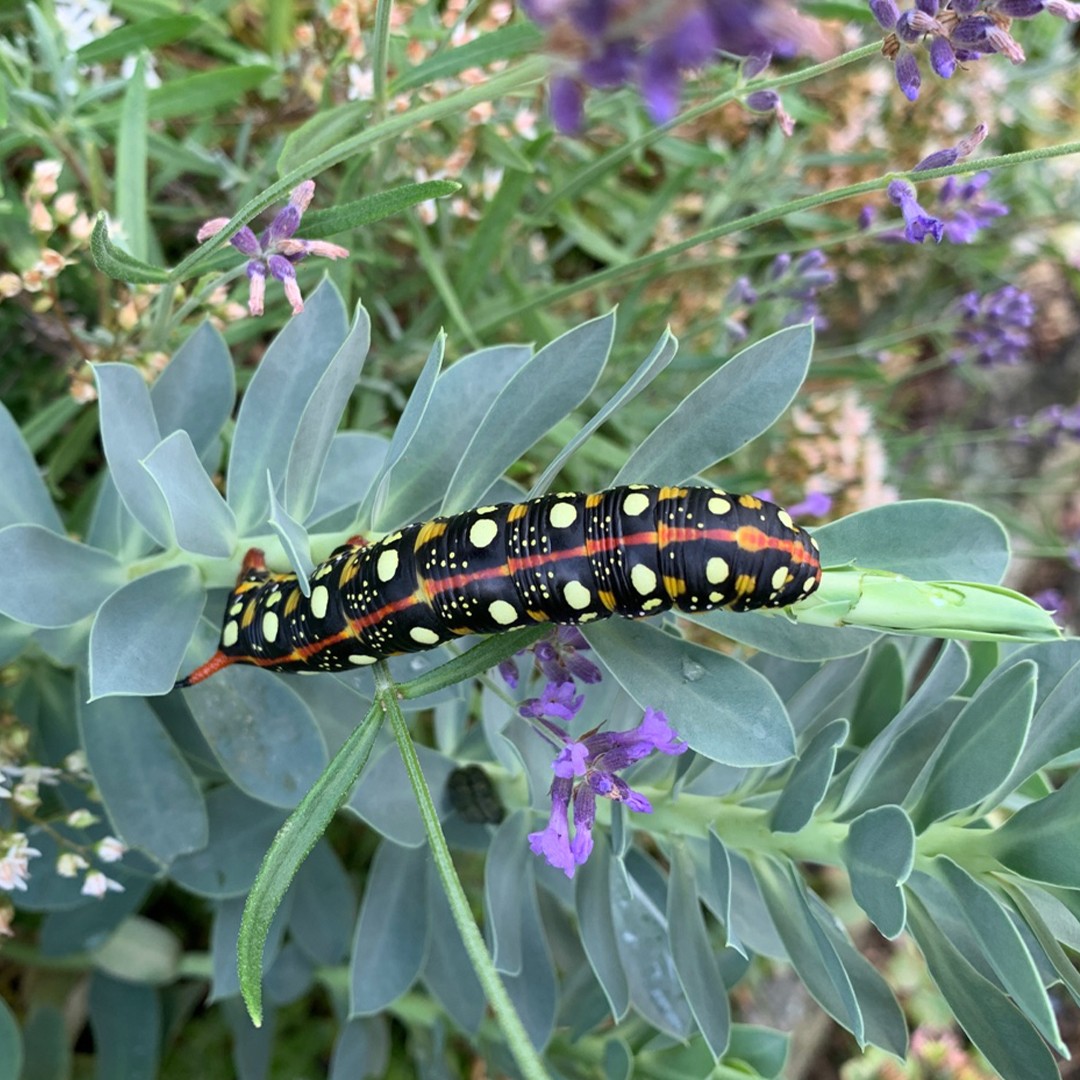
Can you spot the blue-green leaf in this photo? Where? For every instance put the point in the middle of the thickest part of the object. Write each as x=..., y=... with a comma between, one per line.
x=197, y=390
x=592, y=899
x=992, y=1022
x=352, y=463
x=125, y=1018
x=692, y=952
x=1003, y=947
x=642, y=940
x=925, y=539
x=506, y=879
x=392, y=931
x=201, y=519
x=557, y=379
x=722, y=708
x=362, y=1049
x=662, y=354
x=461, y=397
x=49, y=580
x=261, y=732
x=152, y=798
x=294, y=539
x=407, y=432
x=142, y=951
x=1041, y=841
x=809, y=780
x=241, y=830
x=23, y=497
x=879, y=852
x=11, y=1050
x=129, y=432
x=228, y=916
x=981, y=748
x=324, y=907
x=728, y=410
x=321, y=416
x=275, y=401
x=141, y=632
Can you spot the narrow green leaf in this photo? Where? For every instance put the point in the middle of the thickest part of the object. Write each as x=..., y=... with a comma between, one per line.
x=809, y=780
x=147, y=34
x=992, y=1022
x=319, y=224
x=325, y=130
x=131, y=174
x=981, y=747
x=728, y=410
x=879, y=852
x=294, y=840
x=1003, y=947
x=117, y=263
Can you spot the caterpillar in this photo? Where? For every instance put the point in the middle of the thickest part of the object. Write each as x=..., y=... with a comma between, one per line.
x=572, y=558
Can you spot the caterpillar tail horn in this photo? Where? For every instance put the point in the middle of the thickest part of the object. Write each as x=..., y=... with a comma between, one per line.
x=212, y=666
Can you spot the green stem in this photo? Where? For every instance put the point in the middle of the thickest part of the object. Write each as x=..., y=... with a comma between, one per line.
x=380, y=58
x=517, y=1040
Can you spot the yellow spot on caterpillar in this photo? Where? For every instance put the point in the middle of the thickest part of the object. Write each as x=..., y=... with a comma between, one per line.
x=719, y=506
x=655, y=602
x=273, y=598
x=674, y=586
x=362, y=658
x=607, y=599
x=517, y=512
x=429, y=531
x=780, y=578
x=348, y=571
x=562, y=515
x=643, y=579
x=323, y=571
x=270, y=626
x=593, y=500
x=292, y=601
x=814, y=544
x=483, y=531
x=423, y=636
x=485, y=510
x=320, y=601
x=716, y=598
x=231, y=634
x=502, y=612
x=635, y=504
x=538, y=616
x=672, y=493
x=237, y=608
x=808, y=584
x=387, y=565
x=248, y=616
x=588, y=616
x=745, y=584
x=576, y=595
x=785, y=519
x=717, y=570
x=751, y=502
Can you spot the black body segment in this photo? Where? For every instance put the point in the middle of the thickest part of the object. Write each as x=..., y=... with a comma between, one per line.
x=573, y=558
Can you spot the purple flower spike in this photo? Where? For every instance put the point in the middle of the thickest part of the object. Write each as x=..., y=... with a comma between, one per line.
x=886, y=12
x=276, y=251
x=919, y=224
x=567, y=106
x=587, y=768
x=907, y=75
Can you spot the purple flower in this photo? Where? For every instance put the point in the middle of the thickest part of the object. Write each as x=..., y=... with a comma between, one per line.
x=557, y=700
x=918, y=223
x=276, y=252
x=1050, y=426
x=963, y=209
x=588, y=767
x=558, y=658
x=995, y=328
x=941, y=159
x=766, y=101
x=604, y=45
x=816, y=504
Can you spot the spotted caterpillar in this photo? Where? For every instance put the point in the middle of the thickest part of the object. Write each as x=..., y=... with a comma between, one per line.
x=564, y=558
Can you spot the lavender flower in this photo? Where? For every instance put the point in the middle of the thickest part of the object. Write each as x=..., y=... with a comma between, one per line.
x=276, y=252
x=955, y=31
x=918, y=223
x=588, y=767
x=605, y=45
x=1049, y=426
x=768, y=101
x=557, y=657
x=995, y=328
x=963, y=209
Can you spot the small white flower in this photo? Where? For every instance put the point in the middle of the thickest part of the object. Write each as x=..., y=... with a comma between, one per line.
x=97, y=884
x=14, y=866
x=70, y=864
x=110, y=849
x=81, y=819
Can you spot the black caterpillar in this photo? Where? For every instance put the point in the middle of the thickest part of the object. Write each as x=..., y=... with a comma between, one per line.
x=565, y=558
